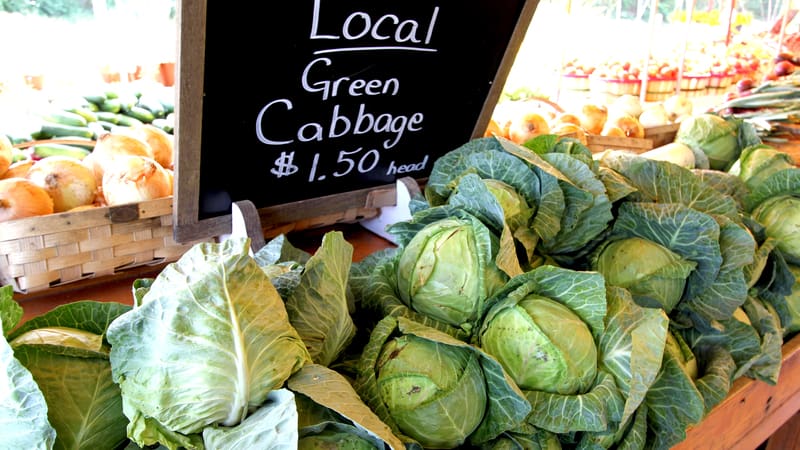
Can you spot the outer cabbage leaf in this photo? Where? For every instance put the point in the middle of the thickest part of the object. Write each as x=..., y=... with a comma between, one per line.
x=84, y=404
x=327, y=397
x=595, y=410
x=272, y=426
x=785, y=181
x=209, y=342
x=617, y=186
x=767, y=365
x=10, y=311
x=23, y=409
x=485, y=157
x=715, y=383
x=729, y=289
x=64, y=350
x=664, y=182
x=725, y=183
x=632, y=346
x=318, y=307
x=580, y=223
x=673, y=404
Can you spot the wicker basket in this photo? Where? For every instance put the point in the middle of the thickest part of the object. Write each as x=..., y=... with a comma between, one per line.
x=42, y=252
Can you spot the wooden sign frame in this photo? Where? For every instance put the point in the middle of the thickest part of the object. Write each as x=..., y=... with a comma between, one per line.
x=190, y=94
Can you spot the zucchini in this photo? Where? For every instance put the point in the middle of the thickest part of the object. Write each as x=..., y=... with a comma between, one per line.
x=45, y=150
x=65, y=118
x=51, y=129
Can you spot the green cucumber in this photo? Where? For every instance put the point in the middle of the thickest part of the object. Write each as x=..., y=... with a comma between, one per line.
x=77, y=141
x=96, y=99
x=51, y=129
x=128, y=121
x=141, y=114
x=18, y=155
x=111, y=105
x=84, y=112
x=153, y=105
x=65, y=118
x=164, y=124
x=45, y=150
x=107, y=126
x=126, y=102
x=107, y=116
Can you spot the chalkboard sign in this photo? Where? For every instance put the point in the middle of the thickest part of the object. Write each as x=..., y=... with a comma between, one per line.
x=306, y=107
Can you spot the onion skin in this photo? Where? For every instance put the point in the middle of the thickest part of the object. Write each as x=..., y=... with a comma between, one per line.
x=111, y=145
x=6, y=154
x=20, y=198
x=69, y=182
x=132, y=179
x=161, y=142
x=18, y=169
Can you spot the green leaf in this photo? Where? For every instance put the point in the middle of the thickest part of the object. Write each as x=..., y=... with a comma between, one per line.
x=212, y=337
x=84, y=404
x=318, y=307
x=632, y=346
x=593, y=411
x=273, y=425
x=23, y=409
x=331, y=390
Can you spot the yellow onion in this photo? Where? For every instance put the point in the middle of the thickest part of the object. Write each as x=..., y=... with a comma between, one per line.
x=18, y=169
x=6, y=155
x=69, y=182
x=113, y=144
x=161, y=142
x=20, y=197
x=131, y=179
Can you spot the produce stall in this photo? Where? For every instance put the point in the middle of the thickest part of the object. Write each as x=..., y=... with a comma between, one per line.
x=650, y=265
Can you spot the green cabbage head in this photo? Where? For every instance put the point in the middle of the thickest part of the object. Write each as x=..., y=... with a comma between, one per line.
x=714, y=136
x=543, y=346
x=758, y=162
x=655, y=275
x=332, y=439
x=442, y=274
x=435, y=392
x=780, y=216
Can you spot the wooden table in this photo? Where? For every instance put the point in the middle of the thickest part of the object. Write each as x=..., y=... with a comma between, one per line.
x=752, y=413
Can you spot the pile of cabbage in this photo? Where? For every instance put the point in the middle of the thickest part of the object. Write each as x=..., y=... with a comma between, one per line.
x=539, y=296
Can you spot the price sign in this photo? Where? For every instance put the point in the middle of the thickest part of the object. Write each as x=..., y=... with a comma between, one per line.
x=306, y=108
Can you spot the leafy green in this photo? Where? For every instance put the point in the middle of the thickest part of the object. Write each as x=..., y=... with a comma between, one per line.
x=23, y=409
x=209, y=342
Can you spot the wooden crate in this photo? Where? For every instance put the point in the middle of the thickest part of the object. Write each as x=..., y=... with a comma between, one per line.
x=653, y=137
x=42, y=252
x=597, y=143
x=661, y=135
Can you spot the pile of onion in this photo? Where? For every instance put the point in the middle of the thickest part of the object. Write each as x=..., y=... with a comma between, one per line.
x=20, y=198
x=68, y=181
x=133, y=178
